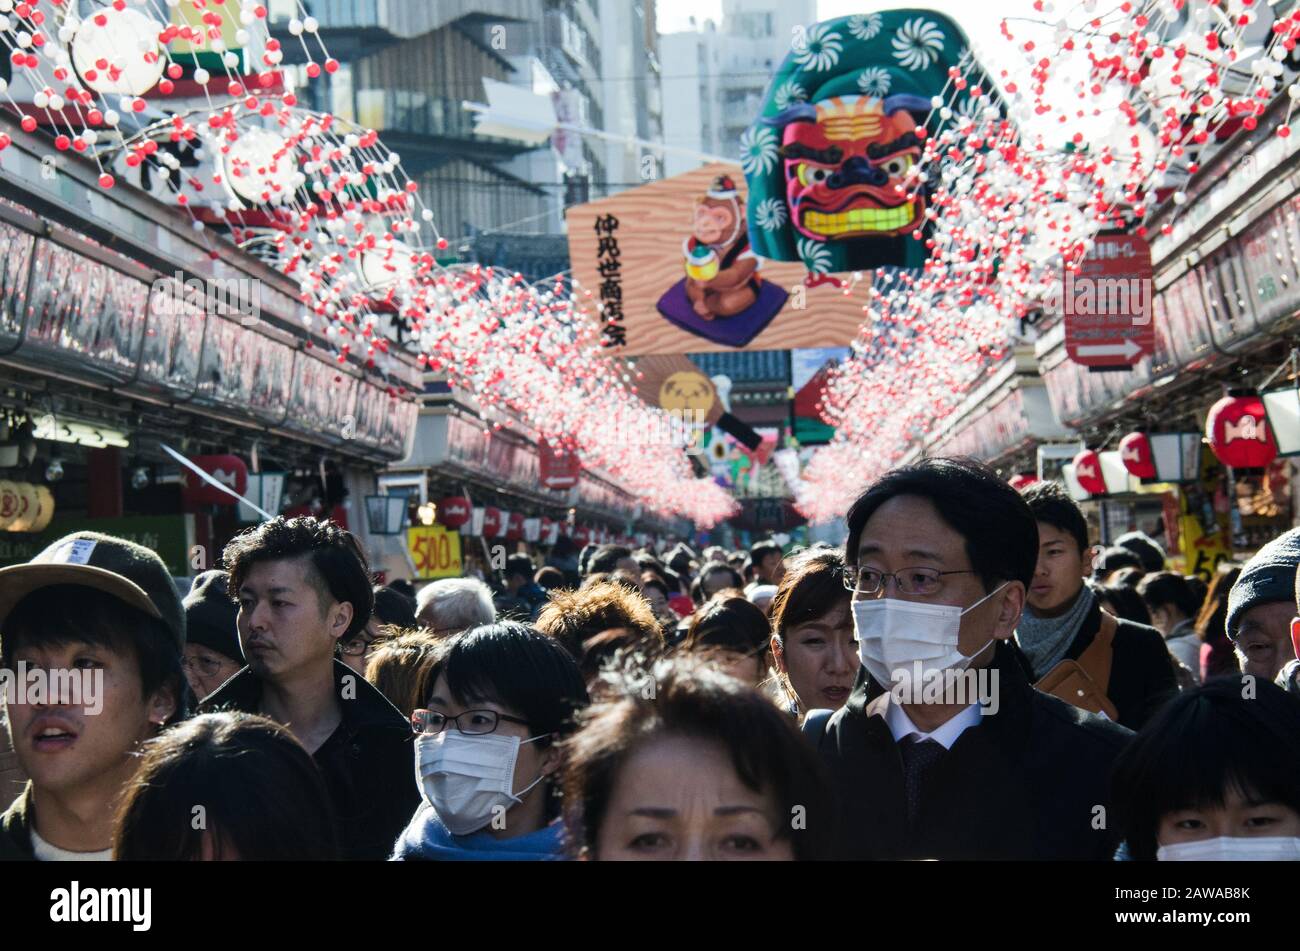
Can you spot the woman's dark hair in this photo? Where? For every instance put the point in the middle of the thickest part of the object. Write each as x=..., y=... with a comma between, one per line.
x=1233, y=732
x=338, y=562
x=394, y=608
x=1123, y=601
x=261, y=796
x=62, y=613
x=1212, y=623
x=1129, y=577
x=517, y=667
x=1000, y=531
x=731, y=624
x=1169, y=589
x=692, y=700
x=1050, y=503
x=812, y=587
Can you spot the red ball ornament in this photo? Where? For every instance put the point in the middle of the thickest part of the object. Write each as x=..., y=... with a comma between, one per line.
x=29, y=124
x=106, y=180
x=1238, y=431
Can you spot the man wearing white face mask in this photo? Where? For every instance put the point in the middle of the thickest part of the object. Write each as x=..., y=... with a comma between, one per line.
x=944, y=750
x=485, y=754
x=1214, y=776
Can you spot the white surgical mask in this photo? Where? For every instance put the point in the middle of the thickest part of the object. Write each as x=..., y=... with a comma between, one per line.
x=895, y=635
x=466, y=778
x=1233, y=848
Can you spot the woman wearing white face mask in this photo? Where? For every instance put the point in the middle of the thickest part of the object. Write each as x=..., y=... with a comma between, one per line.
x=485, y=755
x=1215, y=775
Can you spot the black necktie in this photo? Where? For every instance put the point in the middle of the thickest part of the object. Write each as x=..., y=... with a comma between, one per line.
x=918, y=756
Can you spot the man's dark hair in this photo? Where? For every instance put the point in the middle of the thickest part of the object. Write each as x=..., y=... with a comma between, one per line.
x=513, y=665
x=519, y=566
x=731, y=624
x=761, y=549
x=1050, y=503
x=549, y=577
x=394, y=608
x=1149, y=552
x=60, y=614
x=693, y=701
x=1201, y=743
x=584, y=557
x=264, y=798
x=1114, y=558
x=606, y=558
x=1169, y=589
x=1000, y=532
x=339, y=568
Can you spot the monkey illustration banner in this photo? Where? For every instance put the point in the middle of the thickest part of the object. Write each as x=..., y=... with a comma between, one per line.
x=841, y=128
x=667, y=268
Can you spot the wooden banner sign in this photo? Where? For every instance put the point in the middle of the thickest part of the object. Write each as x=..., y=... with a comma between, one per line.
x=666, y=268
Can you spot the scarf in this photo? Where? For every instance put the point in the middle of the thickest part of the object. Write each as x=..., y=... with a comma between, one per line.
x=1045, y=640
x=427, y=839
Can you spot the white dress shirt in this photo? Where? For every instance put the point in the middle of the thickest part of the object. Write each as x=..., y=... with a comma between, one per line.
x=901, y=725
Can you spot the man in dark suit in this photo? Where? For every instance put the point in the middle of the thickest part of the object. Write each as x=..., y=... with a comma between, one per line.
x=943, y=749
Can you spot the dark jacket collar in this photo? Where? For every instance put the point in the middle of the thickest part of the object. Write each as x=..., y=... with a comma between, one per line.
x=1008, y=728
x=362, y=706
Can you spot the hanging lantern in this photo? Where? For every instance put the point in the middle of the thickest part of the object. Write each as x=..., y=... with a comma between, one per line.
x=454, y=511
x=1238, y=431
x=493, y=521
x=515, y=527
x=1021, y=480
x=1087, y=471
x=1135, y=450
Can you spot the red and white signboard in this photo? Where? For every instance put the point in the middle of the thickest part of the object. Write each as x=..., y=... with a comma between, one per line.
x=559, y=470
x=1106, y=304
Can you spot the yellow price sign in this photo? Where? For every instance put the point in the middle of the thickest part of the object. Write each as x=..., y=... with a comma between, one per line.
x=435, y=551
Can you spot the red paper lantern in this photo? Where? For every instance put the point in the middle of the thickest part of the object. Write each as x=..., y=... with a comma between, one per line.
x=515, y=527
x=1087, y=470
x=492, y=522
x=1022, y=479
x=228, y=470
x=1135, y=453
x=1238, y=431
x=581, y=536
x=454, y=511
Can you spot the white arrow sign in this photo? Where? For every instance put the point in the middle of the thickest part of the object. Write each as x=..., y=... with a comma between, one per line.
x=1128, y=350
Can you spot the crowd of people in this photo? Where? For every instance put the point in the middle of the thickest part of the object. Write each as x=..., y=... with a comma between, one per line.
x=969, y=676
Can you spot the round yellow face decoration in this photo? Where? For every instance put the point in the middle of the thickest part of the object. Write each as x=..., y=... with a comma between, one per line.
x=687, y=390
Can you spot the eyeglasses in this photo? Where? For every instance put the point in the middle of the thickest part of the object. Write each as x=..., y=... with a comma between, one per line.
x=470, y=723
x=206, y=666
x=909, y=580
x=360, y=644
